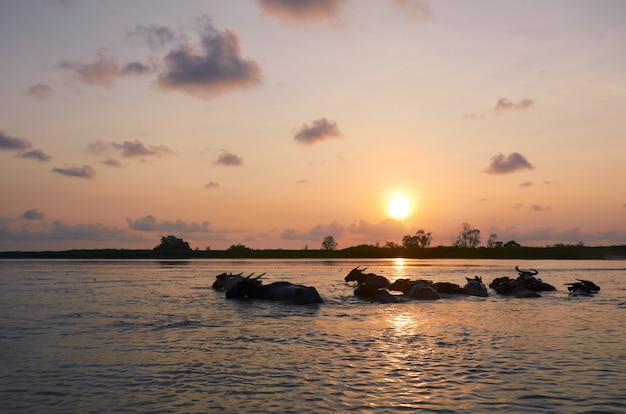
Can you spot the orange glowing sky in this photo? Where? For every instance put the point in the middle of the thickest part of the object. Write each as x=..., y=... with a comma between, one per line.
x=275, y=123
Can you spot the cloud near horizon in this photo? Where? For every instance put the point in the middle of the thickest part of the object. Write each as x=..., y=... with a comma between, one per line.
x=319, y=130
x=317, y=232
x=501, y=164
x=127, y=149
x=150, y=223
x=33, y=214
x=215, y=67
x=81, y=172
x=59, y=232
x=302, y=11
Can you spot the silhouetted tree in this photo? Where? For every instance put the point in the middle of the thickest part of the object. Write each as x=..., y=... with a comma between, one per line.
x=238, y=248
x=390, y=245
x=468, y=237
x=492, y=241
x=329, y=243
x=172, y=243
x=420, y=239
x=512, y=243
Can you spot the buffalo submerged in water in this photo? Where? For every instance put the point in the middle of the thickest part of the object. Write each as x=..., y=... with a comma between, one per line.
x=253, y=288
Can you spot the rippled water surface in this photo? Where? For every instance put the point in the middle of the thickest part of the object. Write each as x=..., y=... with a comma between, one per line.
x=149, y=336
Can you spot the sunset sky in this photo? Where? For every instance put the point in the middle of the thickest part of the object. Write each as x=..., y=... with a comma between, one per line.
x=275, y=123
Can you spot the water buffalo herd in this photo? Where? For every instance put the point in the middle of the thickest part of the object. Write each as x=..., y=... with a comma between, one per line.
x=376, y=288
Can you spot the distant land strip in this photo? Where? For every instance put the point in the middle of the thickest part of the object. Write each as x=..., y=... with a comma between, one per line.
x=363, y=251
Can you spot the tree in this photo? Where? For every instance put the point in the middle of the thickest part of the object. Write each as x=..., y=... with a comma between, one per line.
x=421, y=239
x=492, y=241
x=329, y=243
x=468, y=237
x=172, y=243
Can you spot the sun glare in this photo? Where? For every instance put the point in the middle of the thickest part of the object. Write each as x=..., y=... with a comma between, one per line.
x=399, y=207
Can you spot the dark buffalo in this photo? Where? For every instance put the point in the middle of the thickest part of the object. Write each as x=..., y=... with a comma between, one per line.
x=528, y=280
x=475, y=287
x=447, y=288
x=372, y=279
x=225, y=281
x=510, y=287
x=582, y=288
x=374, y=293
x=418, y=289
x=277, y=291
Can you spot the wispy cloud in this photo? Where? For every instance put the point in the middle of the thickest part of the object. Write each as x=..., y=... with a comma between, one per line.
x=538, y=208
x=416, y=9
x=319, y=130
x=213, y=68
x=504, y=104
x=81, y=172
x=526, y=184
x=228, y=159
x=157, y=37
x=127, y=149
x=8, y=142
x=211, y=185
x=104, y=70
x=112, y=162
x=136, y=148
x=40, y=90
x=33, y=214
x=501, y=164
x=302, y=11
x=36, y=154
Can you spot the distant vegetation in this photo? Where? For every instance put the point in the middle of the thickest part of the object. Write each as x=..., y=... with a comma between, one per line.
x=418, y=246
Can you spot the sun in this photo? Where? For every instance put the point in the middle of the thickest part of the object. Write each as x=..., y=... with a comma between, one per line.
x=399, y=206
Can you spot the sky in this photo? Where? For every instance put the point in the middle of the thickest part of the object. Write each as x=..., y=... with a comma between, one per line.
x=276, y=123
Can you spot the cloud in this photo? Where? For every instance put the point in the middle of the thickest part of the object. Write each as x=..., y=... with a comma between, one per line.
x=317, y=232
x=11, y=143
x=212, y=69
x=526, y=184
x=150, y=223
x=40, y=90
x=134, y=68
x=505, y=104
x=112, y=162
x=302, y=11
x=211, y=185
x=386, y=229
x=228, y=159
x=319, y=130
x=136, y=148
x=104, y=70
x=157, y=37
x=539, y=208
x=81, y=172
x=36, y=154
x=99, y=147
x=503, y=165
x=101, y=72
x=550, y=235
x=417, y=9
x=33, y=214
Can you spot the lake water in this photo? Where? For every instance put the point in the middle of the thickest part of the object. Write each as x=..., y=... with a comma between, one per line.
x=147, y=336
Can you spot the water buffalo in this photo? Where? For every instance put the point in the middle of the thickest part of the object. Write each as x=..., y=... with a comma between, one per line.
x=475, y=287
x=418, y=289
x=528, y=280
x=447, y=288
x=374, y=293
x=276, y=291
x=224, y=281
x=510, y=287
x=582, y=288
x=372, y=279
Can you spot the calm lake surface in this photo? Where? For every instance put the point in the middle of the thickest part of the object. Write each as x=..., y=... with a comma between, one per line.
x=147, y=336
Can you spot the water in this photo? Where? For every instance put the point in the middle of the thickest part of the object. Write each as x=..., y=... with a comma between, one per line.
x=148, y=336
